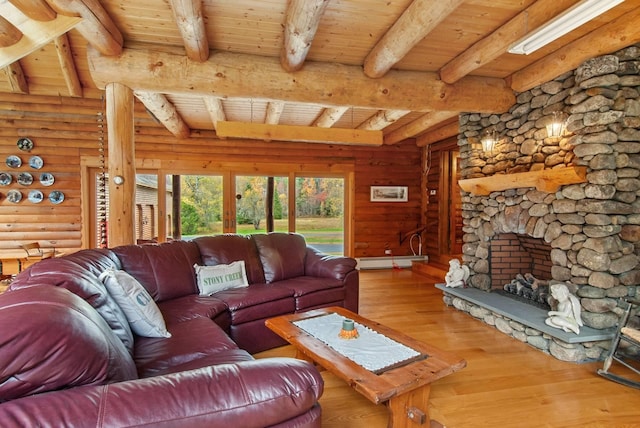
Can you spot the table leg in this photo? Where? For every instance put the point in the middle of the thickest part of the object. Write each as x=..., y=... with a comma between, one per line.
x=411, y=410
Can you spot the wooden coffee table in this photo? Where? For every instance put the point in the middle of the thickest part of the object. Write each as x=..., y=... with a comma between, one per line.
x=404, y=389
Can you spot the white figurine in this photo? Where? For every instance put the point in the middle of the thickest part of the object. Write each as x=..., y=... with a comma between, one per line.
x=457, y=275
x=567, y=314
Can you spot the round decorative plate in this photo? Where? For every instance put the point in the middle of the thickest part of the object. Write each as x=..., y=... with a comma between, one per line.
x=46, y=179
x=56, y=197
x=36, y=162
x=25, y=144
x=35, y=196
x=5, y=179
x=14, y=161
x=25, y=179
x=14, y=196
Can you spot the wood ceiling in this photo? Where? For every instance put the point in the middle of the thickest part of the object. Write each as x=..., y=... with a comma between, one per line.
x=405, y=67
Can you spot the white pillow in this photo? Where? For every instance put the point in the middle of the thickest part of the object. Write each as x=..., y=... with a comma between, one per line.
x=141, y=311
x=220, y=277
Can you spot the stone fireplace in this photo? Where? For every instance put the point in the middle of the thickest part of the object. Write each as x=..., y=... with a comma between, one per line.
x=588, y=226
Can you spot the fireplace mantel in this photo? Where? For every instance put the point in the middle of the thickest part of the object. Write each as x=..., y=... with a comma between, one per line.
x=545, y=180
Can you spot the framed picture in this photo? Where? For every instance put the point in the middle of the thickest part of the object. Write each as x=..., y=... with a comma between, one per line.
x=389, y=194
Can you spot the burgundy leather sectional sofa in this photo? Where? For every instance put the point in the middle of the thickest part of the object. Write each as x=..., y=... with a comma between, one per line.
x=68, y=357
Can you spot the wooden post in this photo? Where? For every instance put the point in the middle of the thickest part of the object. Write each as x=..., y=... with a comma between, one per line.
x=175, y=213
x=122, y=194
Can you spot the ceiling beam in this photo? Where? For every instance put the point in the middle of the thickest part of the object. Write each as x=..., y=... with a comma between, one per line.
x=329, y=116
x=190, y=21
x=300, y=26
x=274, y=111
x=68, y=66
x=35, y=9
x=39, y=33
x=16, y=78
x=215, y=109
x=417, y=126
x=306, y=134
x=96, y=25
x=438, y=134
x=9, y=33
x=418, y=20
x=227, y=74
x=497, y=43
x=165, y=112
x=617, y=34
x=382, y=119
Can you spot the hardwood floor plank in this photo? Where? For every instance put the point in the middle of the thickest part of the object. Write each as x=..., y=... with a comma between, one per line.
x=506, y=383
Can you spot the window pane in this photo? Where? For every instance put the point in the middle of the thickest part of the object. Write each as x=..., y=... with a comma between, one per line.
x=201, y=205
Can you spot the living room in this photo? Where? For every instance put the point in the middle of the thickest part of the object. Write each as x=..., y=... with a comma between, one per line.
x=88, y=110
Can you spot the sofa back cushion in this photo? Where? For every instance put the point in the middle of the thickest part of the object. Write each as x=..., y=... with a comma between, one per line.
x=165, y=270
x=79, y=273
x=52, y=339
x=282, y=255
x=225, y=249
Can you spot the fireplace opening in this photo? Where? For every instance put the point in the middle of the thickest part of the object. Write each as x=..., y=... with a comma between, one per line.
x=520, y=267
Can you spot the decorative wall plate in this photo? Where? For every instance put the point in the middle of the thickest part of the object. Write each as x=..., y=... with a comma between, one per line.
x=14, y=161
x=25, y=144
x=35, y=196
x=36, y=162
x=5, y=179
x=46, y=179
x=25, y=179
x=56, y=197
x=14, y=196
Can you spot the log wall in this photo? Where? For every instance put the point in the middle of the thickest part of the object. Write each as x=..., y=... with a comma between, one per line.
x=66, y=129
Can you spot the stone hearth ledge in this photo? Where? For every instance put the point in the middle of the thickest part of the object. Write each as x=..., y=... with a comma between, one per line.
x=525, y=314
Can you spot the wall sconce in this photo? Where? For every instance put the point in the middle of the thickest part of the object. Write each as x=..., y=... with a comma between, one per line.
x=489, y=140
x=118, y=180
x=556, y=125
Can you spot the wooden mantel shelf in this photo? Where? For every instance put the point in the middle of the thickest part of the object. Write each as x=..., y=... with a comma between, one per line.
x=545, y=180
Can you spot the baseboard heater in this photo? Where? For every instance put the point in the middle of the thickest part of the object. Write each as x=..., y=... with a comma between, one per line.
x=388, y=262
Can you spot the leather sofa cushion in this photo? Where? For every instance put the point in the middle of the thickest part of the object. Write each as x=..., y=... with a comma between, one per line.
x=195, y=306
x=257, y=301
x=165, y=270
x=42, y=355
x=311, y=292
x=282, y=255
x=190, y=341
x=225, y=249
x=79, y=273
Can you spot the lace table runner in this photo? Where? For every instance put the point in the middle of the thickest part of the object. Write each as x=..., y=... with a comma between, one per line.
x=371, y=350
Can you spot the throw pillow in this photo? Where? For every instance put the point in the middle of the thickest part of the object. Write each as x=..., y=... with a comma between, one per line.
x=141, y=311
x=220, y=277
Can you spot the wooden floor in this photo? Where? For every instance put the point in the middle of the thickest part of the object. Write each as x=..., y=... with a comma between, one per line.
x=506, y=383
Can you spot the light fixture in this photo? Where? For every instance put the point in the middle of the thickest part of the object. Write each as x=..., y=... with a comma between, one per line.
x=562, y=24
x=556, y=125
x=489, y=140
x=118, y=180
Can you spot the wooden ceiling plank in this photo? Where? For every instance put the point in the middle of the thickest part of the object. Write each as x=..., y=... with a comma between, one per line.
x=16, y=78
x=9, y=33
x=35, y=9
x=165, y=112
x=447, y=131
x=329, y=116
x=418, y=20
x=419, y=125
x=227, y=74
x=36, y=34
x=68, y=66
x=190, y=21
x=215, y=109
x=498, y=42
x=96, y=25
x=274, y=111
x=382, y=119
x=617, y=34
x=300, y=26
x=307, y=134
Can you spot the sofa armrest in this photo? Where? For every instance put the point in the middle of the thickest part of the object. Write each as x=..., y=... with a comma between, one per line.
x=323, y=265
x=259, y=393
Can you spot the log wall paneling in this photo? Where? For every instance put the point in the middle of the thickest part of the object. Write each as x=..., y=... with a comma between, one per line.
x=65, y=130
